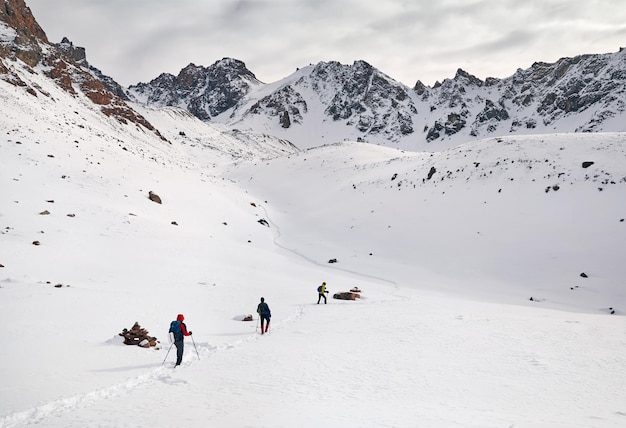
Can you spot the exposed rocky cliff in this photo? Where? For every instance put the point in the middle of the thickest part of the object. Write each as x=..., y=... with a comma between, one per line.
x=23, y=41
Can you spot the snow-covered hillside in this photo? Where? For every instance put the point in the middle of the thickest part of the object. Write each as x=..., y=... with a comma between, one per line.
x=447, y=249
x=528, y=212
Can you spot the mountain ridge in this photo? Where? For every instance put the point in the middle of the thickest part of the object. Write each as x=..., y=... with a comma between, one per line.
x=579, y=94
x=22, y=39
x=329, y=102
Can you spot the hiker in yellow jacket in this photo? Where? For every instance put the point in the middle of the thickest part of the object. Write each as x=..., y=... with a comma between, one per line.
x=321, y=292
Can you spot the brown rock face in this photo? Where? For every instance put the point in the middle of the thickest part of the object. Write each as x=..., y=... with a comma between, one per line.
x=17, y=15
x=66, y=64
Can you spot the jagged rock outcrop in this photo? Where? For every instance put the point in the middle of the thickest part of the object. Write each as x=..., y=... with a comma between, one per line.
x=286, y=103
x=21, y=38
x=26, y=33
x=78, y=55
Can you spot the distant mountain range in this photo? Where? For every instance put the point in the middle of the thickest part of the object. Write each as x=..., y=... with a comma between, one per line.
x=329, y=101
x=358, y=102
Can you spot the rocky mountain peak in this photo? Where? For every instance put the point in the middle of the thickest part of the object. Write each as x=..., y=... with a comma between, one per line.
x=419, y=88
x=22, y=38
x=204, y=91
x=467, y=79
x=73, y=53
x=234, y=68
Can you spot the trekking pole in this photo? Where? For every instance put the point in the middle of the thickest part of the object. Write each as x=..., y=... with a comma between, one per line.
x=257, y=323
x=168, y=352
x=194, y=345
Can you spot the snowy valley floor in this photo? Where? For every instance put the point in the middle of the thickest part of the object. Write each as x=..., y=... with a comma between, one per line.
x=396, y=358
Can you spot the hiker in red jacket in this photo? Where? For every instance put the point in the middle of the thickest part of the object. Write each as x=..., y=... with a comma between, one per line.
x=179, y=329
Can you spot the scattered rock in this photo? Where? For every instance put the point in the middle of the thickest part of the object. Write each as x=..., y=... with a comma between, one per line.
x=71, y=215
x=587, y=164
x=264, y=222
x=45, y=212
x=1, y=265
x=431, y=172
x=154, y=197
x=584, y=275
x=355, y=290
x=174, y=223
x=51, y=201
x=247, y=318
x=332, y=261
x=36, y=243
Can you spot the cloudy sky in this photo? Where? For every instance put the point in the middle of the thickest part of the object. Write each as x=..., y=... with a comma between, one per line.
x=136, y=40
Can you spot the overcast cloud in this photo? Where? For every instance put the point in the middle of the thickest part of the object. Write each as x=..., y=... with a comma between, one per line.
x=136, y=40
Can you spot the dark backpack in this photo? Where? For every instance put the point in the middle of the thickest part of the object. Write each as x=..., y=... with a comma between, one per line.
x=319, y=288
x=176, y=331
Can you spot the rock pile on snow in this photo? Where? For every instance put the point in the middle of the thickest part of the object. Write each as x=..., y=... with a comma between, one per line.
x=346, y=295
x=139, y=336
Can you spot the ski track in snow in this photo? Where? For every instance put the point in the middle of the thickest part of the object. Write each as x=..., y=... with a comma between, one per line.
x=315, y=262
x=161, y=374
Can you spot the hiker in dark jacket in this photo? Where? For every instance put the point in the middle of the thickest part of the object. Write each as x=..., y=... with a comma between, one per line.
x=179, y=338
x=264, y=313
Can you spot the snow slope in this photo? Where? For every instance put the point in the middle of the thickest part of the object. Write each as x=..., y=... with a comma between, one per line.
x=444, y=334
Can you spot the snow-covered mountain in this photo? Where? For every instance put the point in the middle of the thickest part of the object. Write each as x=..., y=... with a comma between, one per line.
x=24, y=46
x=204, y=91
x=331, y=102
x=30, y=63
x=491, y=273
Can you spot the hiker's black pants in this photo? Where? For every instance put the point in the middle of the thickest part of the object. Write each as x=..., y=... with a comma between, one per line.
x=180, y=346
x=266, y=319
x=320, y=296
